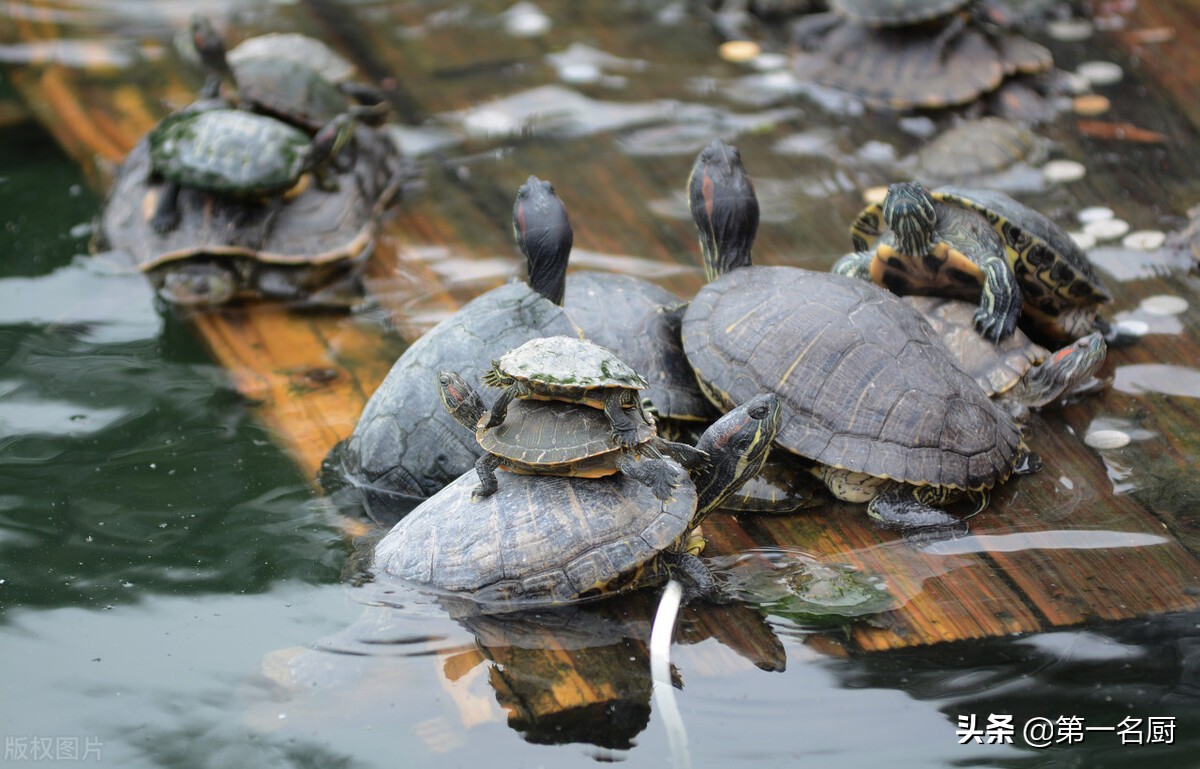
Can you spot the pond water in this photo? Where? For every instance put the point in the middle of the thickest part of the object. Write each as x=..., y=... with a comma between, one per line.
x=173, y=592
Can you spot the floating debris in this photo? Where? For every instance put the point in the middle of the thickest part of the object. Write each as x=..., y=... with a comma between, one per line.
x=1091, y=104
x=1100, y=72
x=1144, y=240
x=1084, y=240
x=1164, y=304
x=1064, y=171
x=1070, y=30
x=1107, y=439
x=739, y=51
x=1094, y=214
x=1124, y=132
x=1106, y=229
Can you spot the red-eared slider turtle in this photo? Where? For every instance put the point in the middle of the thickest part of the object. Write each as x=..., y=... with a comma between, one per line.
x=275, y=82
x=223, y=248
x=406, y=446
x=557, y=438
x=1018, y=373
x=546, y=538
x=868, y=390
x=988, y=151
x=896, y=13
x=931, y=66
x=573, y=370
x=968, y=243
x=237, y=154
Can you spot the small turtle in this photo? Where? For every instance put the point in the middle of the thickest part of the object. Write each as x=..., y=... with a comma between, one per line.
x=1018, y=373
x=575, y=371
x=556, y=438
x=405, y=446
x=277, y=83
x=968, y=243
x=868, y=390
x=223, y=249
x=237, y=154
x=987, y=151
x=557, y=539
x=896, y=13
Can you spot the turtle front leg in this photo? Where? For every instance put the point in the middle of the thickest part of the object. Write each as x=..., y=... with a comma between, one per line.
x=689, y=457
x=854, y=265
x=500, y=407
x=1000, y=302
x=698, y=581
x=326, y=177
x=654, y=474
x=166, y=213
x=485, y=468
x=624, y=429
x=903, y=508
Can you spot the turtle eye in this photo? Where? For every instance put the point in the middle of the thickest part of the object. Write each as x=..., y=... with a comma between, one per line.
x=759, y=412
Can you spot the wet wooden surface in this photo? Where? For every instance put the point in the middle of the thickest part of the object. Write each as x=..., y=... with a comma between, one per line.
x=1024, y=568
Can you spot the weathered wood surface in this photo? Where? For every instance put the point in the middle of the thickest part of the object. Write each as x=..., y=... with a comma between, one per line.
x=1023, y=570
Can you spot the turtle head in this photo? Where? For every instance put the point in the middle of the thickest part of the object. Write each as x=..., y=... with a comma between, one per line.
x=460, y=399
x=211, y=50
x=544, y=235
x=330, y=139
x=198, y=285
x=1069, y=370
x=737, y=445
x=724, y=208
x=909, y=212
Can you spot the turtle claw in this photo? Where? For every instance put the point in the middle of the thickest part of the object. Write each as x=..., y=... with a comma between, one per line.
x=995, y=326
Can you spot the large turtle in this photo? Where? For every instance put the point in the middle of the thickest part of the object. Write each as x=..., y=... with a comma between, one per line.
x=405, y=446
x=573, y=370
x=868, y=390
x=1017, y=372
x=971, y=243
x=223, y=248
x=550, y=437
x=556, y=539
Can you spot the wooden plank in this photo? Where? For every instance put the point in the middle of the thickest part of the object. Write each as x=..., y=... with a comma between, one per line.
x=310, y=375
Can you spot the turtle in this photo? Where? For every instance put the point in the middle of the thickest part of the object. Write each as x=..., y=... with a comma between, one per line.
x=869, y=393
x=308, y=250
x=279, y=84
x=896, y=13
x=237, y=154
x=557, y=438
x=1019, y=373
x=930, y=66
x=989, y=150
x=573, y=370
x=405, y=445
x=1185, y=242
x=967, y=243
x=554, y=539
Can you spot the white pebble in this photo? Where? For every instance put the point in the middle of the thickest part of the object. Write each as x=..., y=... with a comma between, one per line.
x=1100, y=72
x=580, y=72
x=1063, y=171
x=1070, y=30
x=1133, y=327
x=1107, y=229
x=1107, y=439
x=1095, y=214
x=1084, y=240
x=765, y=62
x=1164, y=304
x=1144, y=240
x=526, y=20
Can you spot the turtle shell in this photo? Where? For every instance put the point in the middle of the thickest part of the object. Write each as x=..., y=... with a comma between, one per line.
x=1055, y=275
x=538, y=434
x=987, y=148
x=405, y=446
x=896, y=13
x=314, y=238
x=291, y=91
x=296, y=49
x=560, y=365
x=538, y=538
x=639, y=321
x=229, y=151
x=864, y=382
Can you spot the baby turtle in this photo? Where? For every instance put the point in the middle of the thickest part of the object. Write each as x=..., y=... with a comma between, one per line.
x=575, y=371
x=556, y=539
x=556, y=438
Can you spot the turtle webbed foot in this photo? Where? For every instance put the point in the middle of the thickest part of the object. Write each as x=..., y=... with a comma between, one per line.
x=656, y=474
x=901, y=509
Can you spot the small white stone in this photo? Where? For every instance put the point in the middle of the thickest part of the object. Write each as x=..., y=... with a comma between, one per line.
x=766, y=62
x=1064, y=171
x=1107, y=229
x=1095, y=214
x=1164, y=304
x=579, y=72
x=1107, y=439
x=1133, y=327
x=1070, y=30
x=1100, y=72
x=1144, y=240
x=1083, y=239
